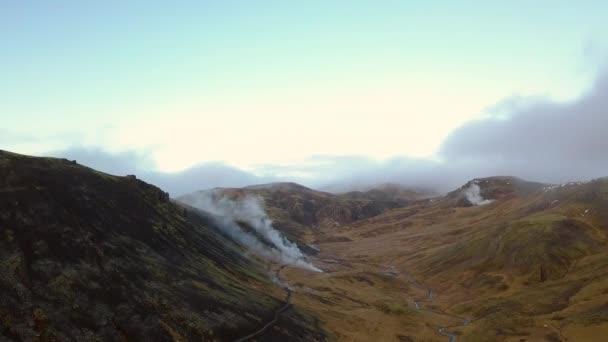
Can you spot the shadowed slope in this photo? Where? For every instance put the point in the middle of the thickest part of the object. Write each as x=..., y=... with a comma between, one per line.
x=86, y=255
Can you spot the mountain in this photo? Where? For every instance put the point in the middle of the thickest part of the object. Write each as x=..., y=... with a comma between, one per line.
x=498, y=259
x=491, y=189
x=300, y=213
x=390, y=192
x=90, y=256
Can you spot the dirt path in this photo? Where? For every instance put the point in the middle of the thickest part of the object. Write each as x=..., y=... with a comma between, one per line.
x=429, y=298
x=277, y=313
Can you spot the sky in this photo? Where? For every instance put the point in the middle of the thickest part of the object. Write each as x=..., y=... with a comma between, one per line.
x=228, y=93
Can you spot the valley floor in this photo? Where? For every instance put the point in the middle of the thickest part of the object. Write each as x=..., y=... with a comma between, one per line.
x=410, y=275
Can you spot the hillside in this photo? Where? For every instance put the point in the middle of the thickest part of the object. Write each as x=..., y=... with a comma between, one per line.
x=499, y=259
x=300, y=212
x=89, y=256
x=390, y=192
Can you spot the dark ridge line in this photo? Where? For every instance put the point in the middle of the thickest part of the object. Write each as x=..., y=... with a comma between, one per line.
x=277, y=313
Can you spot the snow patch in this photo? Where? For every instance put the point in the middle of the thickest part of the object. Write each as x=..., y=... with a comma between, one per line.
x=569, y=184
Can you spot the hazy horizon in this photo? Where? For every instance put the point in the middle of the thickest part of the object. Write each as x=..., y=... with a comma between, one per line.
x=342, y=95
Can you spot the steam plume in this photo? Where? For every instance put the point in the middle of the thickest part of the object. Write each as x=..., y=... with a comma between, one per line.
x=248, y=210
x=474, y=195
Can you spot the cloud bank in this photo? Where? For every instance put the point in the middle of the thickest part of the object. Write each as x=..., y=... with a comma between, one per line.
x=532, y=138
x=199, y=177
x=538, y=139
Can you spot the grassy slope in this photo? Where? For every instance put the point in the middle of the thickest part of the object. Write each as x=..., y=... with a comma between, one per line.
x=86, y=255
x=531, y=266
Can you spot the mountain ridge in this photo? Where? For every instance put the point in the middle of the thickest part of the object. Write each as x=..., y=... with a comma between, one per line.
x=88, y=255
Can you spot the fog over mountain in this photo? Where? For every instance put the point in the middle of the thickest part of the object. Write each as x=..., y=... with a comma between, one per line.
x=533, y=138
x=538, y=139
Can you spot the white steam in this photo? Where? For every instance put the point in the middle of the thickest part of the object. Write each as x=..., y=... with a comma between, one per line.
x=248, y=210
x=473, y=194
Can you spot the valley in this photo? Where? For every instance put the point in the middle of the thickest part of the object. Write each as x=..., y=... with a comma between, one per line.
x=529, y=266
x=87, y=255
x=303, y=171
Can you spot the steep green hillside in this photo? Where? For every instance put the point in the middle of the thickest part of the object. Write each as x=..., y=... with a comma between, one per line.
x=89, y=256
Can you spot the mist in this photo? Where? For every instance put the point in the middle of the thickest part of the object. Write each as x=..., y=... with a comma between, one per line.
x=199, y=177
x=229, y=212
x=537, y=139
x=533, y=138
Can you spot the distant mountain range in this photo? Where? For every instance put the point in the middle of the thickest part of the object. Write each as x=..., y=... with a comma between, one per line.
x=89, y=256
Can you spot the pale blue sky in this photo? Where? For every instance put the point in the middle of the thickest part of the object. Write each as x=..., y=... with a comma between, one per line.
x=257, y=82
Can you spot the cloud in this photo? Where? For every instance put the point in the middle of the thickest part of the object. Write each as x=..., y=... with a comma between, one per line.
x=202, y=176
x=532, y=138
x=12, y=137
x=537, y=139
x=29, y=143
x=117, y=163
x=344, y=173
